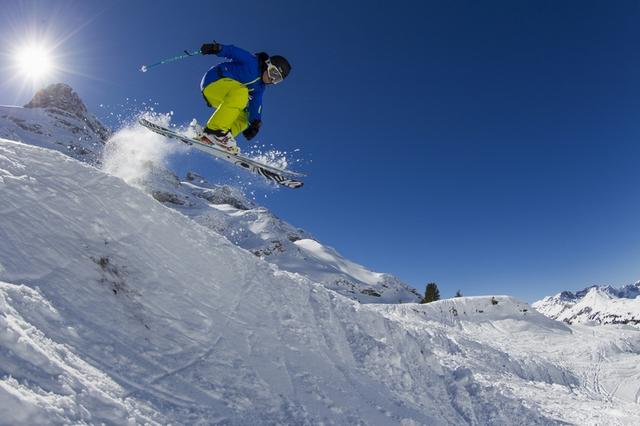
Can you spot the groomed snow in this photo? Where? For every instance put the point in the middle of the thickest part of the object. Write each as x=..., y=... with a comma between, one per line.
x=117, y=309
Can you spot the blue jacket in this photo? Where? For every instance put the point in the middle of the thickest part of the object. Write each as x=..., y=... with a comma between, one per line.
x=243, y=67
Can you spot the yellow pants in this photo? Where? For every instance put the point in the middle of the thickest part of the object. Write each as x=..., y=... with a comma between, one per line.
x=230, y=98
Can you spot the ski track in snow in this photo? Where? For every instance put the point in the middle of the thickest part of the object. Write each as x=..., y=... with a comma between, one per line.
x=117, y=309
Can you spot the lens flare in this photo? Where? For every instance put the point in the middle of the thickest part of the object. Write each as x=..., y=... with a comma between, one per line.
x=34, y=62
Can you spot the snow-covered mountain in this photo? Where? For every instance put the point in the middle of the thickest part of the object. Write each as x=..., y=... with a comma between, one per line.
x=594, y=305
x=56, y=118
x=115, y=308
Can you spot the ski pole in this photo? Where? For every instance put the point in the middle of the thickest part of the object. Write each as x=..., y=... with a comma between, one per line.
x=146, y=68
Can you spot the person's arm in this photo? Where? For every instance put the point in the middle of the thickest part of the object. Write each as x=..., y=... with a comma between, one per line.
x=255, y=116
x=228, y=51
x=255, y=106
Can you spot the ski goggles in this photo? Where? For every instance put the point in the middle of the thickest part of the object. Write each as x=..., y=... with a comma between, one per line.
x=274, y=73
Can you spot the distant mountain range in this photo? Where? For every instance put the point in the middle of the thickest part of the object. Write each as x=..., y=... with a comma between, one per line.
x=594, y=305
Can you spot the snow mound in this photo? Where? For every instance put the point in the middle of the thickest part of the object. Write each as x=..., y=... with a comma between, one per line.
x=481, y=309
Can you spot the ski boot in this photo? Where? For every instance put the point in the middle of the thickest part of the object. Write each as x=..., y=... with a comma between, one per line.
x=223, y=139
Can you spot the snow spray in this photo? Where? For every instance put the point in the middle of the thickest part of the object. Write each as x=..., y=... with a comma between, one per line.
x=133, y=151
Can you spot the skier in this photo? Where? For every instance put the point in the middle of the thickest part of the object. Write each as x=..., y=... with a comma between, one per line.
x=234, y=88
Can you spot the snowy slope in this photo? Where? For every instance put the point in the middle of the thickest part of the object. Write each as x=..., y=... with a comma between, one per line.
x=136, y=155
x=117, y=309
x=576, y=374
x=594, y=305
x=177, y=315
x=57, y=118
x=256, y=229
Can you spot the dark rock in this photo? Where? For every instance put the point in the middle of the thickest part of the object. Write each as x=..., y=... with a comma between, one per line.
x=60, y=99
x=59, y=96
x=370, y=292
x=167, y=197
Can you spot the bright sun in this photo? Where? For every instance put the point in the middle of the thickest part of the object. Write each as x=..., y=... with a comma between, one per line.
x=34, y=62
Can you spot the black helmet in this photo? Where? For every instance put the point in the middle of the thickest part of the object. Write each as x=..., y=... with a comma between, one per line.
x=282, y=64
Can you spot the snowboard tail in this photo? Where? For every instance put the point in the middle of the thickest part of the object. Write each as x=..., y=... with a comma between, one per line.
x=280, y=176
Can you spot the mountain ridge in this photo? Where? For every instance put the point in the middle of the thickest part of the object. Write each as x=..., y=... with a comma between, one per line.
x=56, y=118
x=594, y=305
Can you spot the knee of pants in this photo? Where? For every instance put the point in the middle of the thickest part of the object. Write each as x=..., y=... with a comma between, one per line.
x=228, y=118
x=237, y=98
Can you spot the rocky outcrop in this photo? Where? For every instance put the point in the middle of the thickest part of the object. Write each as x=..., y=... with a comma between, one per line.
x=62, y=100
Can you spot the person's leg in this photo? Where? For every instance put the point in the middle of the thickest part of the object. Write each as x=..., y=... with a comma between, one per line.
x=241, y=123
x=230, y=98
x=215, y=92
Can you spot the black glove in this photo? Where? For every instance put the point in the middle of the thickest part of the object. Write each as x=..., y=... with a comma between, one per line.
x=210, y=48
x=253, y=129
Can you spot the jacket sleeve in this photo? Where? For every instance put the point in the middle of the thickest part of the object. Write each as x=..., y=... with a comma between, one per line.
x=255, y=106
x=229, y=51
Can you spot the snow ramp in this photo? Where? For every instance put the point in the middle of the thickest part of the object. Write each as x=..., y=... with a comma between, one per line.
x=116, y=309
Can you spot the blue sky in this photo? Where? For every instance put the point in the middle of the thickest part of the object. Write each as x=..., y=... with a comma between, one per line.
x=490, y=146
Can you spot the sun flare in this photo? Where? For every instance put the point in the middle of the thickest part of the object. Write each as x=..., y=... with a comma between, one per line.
x=34, y=62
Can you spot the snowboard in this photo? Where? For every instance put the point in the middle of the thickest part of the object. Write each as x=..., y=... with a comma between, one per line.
x=275, y=174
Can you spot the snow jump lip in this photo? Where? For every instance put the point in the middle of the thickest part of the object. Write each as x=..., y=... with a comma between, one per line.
x=280, y=176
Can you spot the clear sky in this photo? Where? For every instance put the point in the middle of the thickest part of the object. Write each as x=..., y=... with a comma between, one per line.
x=491, y=147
